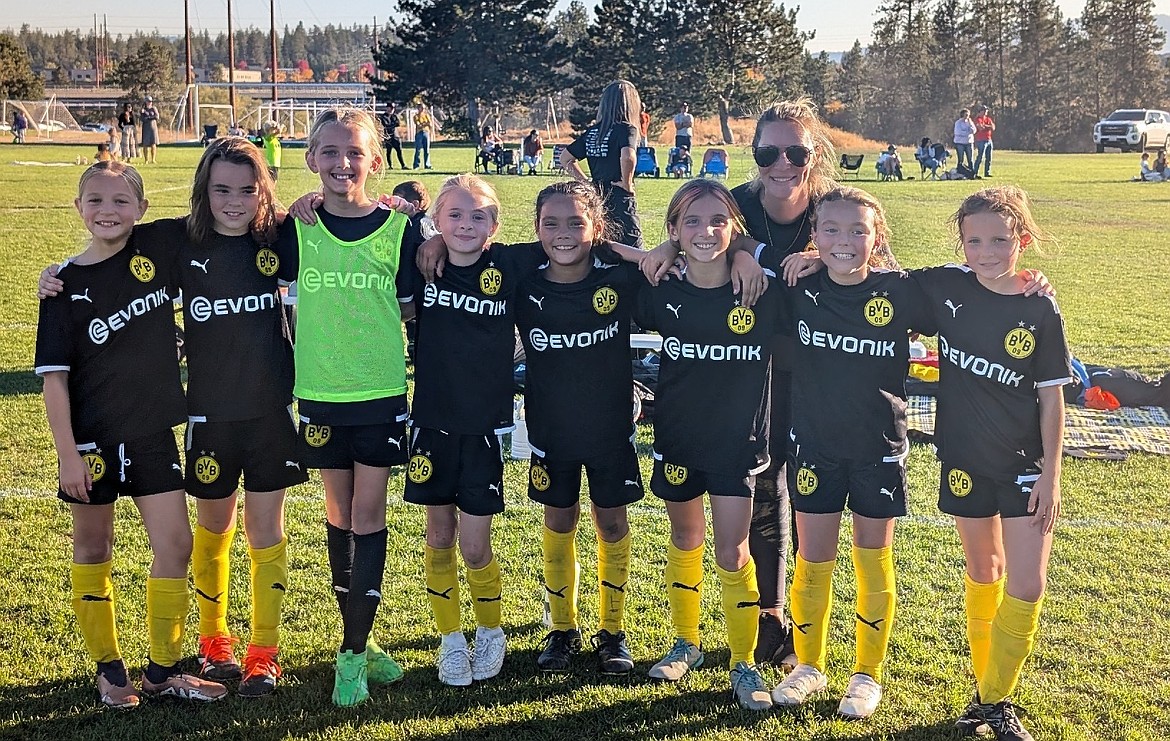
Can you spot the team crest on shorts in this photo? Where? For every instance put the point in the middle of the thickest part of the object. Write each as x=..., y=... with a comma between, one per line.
x=605, y=300
x=959, y=482
x=490, y=281
x=879, y=311
x=318, y=435
x=96, y=465
x=142, y=268
x=420, y=469
x=267, y=262
x=1020, y=342
x=807, y=480
x=675, y=475
x=539, y=477
x=207, y=468
x=741, y=320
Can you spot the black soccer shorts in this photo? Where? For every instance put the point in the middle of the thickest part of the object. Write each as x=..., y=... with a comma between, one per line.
x=132, y=468
x=615, y=480
x=264, y=450
x=464, y=470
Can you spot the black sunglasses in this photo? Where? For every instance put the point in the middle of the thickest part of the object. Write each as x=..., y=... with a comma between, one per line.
x=766, y=156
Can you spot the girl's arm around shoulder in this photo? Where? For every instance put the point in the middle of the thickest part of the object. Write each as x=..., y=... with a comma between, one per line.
x=288, y=251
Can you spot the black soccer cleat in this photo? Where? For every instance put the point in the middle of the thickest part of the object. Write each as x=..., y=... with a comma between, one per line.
x=559, y=648
x=1002, y=720
x=774, y=643
x=613, y=655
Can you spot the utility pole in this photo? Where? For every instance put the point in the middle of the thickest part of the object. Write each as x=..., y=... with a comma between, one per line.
x=272, y=39
x=231, y=63
x=190, y=71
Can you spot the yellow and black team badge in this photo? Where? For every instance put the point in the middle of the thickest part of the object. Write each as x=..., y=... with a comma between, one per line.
x=959, y=482
x=1019, y=343
x=879, y=311
x=318, y=435
x=267, y=262
x=675, y=475
x=96, y=465
x=420, y=469
x=490, y=281
x=806, y=480
x=741, y=320
x=539, y=477
x=206, y=469
x=142, y=268
x=605, y=300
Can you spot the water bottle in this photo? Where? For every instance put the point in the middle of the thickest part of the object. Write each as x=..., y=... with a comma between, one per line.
x=520, y=448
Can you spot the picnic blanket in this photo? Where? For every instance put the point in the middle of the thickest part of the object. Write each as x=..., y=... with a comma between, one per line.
x=1087, y=432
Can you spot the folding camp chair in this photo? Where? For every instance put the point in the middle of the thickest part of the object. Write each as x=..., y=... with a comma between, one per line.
x=851, y=163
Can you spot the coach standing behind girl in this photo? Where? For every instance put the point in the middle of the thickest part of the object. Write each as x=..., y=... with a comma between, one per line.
x=611, y=146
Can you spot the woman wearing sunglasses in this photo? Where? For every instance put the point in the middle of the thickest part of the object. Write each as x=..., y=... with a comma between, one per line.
x=796, y=162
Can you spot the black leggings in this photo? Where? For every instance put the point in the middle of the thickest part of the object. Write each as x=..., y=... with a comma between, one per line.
x=773, y=534
x=393, y=145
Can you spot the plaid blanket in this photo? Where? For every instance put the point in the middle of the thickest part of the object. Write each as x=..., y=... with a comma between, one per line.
x=1141, y=429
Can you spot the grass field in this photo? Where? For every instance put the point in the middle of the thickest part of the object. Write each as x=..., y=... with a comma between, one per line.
x=1100, y=670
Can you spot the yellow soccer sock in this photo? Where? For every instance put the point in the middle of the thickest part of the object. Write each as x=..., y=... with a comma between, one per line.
x=486, y=589
x=876, y=599
x=684, y=590
x=1013, y=631
x=982, y=601
x=560, y=577
x=741, y=610
x=93, y=603
x=812, y=601
x=269, y=584
x=212, y=571
x=613, y=573
x=442, y=572
x=166, y=613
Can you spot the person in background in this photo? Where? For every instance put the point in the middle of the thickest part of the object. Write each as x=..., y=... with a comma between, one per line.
x=390, y=142
x=1149, y=174
x=964, y=138
x=533, y=151
x=423, y=124
x=149, y=118
x=984, y=128
x=684, y=124
x=128, y=125
x=103, y=153
x=19, y=126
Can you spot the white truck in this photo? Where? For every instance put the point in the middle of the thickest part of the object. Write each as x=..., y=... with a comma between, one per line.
x=1133, y=130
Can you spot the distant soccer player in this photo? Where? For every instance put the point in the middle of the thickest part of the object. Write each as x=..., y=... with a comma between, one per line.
x=112, y=392
x=1003, y=358
x=710, y=428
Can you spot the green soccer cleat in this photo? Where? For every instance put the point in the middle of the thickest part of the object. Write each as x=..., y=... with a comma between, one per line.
x=380, y=668
x=349, y=684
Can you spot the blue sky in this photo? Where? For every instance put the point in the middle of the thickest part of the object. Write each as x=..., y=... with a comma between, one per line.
x=837, y=22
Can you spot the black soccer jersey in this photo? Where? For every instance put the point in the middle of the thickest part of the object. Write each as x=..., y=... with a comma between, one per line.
x=113, y=331
x=579, y=379
x=465, y=345
x=850, y=361
x=711, y=405
x=994, y=352
x=604, y=151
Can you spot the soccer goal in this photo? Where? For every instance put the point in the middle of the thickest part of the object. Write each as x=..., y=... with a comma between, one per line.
x=44, y=116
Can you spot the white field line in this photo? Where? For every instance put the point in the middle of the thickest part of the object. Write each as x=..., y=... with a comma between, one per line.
x=937, y=521
x=36, y=207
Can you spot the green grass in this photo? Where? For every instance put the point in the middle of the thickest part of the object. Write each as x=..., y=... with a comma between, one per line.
x=1100, y=667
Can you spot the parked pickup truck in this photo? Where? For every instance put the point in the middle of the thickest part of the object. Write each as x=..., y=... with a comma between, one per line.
x=1133, y=130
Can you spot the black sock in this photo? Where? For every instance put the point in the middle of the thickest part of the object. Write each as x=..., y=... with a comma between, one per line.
x=769, y=535
x=365, y=589
x=157, y=673
x=114, y=672
x=340, y=547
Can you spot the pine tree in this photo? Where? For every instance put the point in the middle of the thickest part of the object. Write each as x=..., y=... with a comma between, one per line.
x=1134, y=39
x=1035, y=62
x=17, y=80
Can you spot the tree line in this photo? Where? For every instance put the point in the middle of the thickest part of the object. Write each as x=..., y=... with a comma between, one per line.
x=1046, y=77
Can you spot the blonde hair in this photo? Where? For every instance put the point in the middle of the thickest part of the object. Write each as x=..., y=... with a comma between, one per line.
x=474, y=185
x=803, y=113
x=693, y=190
x=238, y=151
x=118, y=169
x=351, y=118
x=1008, y=201
x=881, y=256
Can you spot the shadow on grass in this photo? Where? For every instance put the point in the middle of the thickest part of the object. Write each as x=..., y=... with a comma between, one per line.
x=521, y=703
x=19, y=382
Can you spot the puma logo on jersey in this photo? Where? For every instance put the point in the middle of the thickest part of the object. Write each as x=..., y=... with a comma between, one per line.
x=201, y=265
x=630, y=482
x=954, y=309
x=395, y=441
x=538, y=301
x=315, y=244
x=802, y=627
x=674, y=309
x=374, y=593
x=207, y=597
x=813, y=296
x=494, y=487
x=614, y=587
x=94, y=598
x=292, y=464
x=680, y=585
x=488, y=599
x=445, y=594
x=888, y=493
x=81, y=296
x=559, y=593
x=873, y=625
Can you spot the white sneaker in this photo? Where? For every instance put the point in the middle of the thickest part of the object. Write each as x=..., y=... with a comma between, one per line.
x=802, y=683
x=748, y=688
x=454, y=660
x=682, y=657
x=487, y=657
x=861, y=698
